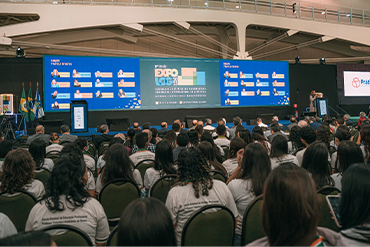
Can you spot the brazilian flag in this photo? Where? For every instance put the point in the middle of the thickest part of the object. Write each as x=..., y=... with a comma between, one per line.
x=30, y=106
x=23, y=108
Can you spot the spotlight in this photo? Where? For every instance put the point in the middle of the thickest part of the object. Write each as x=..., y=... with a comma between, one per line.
x=20, y=52
x=322, y=60
x=297, y=60
x=293, y=6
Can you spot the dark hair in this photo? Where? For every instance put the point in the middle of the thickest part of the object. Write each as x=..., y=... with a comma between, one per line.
x=236, y=120
x=209, y=154
x=154, y=135
x=64, y=128
x=117, y=164
x=199, y=129
x=81, y=142
x=193, y=137
x=31, y=238
x=261, y=140
x=37, y=149
x=146, y=125
x=236, y=144
x=290, y=207
x=256, y=165
x=67, y=179
x=116, y=140
x=130, y=142
x=17, y=171
x=171, y=137
x=365, y=139
x=348, y=153
x=323, y=134
x=308, y=134
x=340, y=120
x=164, y=158
x=206, y=136
x=192, y=168
x=103, y=128
x=275, y=127
x=221, y=130
x=5, y=148
x=146, y=222
x=315, y=161
x=258, y=130
x=72, y=148
x=245, y=135
x=342, y=134
x=176, y=127
x=54, y=136
x=182, y=140
x=279, y=146
x=295, y=138
x=354, y=207
x=141, y=140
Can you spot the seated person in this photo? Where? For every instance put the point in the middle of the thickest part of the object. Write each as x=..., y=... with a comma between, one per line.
x=40, y=134
x=54, y=146
x=38, y=151
x=142, y=142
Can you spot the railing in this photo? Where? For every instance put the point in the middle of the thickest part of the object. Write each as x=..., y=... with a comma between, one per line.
x=287, y=8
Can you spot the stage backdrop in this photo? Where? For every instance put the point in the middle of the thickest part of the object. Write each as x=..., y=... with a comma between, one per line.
x=303, y=77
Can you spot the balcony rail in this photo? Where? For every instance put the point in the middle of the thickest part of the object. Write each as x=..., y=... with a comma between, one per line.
x=286, y=8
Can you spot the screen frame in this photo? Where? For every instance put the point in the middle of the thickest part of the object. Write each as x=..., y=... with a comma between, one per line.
x=72, y=110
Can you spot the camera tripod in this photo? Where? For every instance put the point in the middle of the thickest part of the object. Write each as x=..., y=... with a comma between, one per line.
x=8, y=129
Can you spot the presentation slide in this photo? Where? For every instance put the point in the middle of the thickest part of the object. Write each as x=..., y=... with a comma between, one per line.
x=179, y=83
x=254, y=83
x=106, y=83
x=356, y=83
x=116, y=83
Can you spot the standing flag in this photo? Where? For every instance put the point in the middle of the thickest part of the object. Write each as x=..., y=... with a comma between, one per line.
x=30, y=105
x=23, y=109
x=37, y=108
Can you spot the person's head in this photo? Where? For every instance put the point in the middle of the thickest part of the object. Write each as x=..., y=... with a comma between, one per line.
x=182, y=140
x=176, y=127
x=341, y=135
x=5, y=147
x=308, y=135
x=53, y=82
x=120, y=91
x=56, y=103
x=236, y=144
x=207, y=150
x=279, y=146
x=259, y=120
x=68, y=178
x=274, y=127
x=37, y=149
x=323, y=134
x=104, y=129
x=275, y=118
x=354, y=207
x=312, y=119
x=146, y=125
x=313, y=92
x=146, y=222
x=362, y=114
x=98, y=80
x=154, y=133
x=77, y=91
x=17, y=171
x=192, y=167
x=178, y=121
x=221, y=121
x=346, y=117
x=40, y=129
x=315, y=161
x=257, y=130
x=200, y=123
x=293, y=120
x=55, y=93
x=164, y=125
x=31, y=238
x=208, y=121
x=256, y=165
x=117, y=164
x=82, y=143
x=221, y=130
x=115, y=140
x=164, y=158
x=64, y=129
x=295, y=137
x=340, y=121
x=54, y=137
x=149, y=133
x=290, y=207
x=200, y=130
x=237, y=120
x=193, y=137
x=142, y=140
x=348, y=153
x=302, y=123
x=76, y=81
x=245, y=134
x=136, y=125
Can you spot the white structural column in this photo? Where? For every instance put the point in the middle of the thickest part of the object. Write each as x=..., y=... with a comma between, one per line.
x=241, y=30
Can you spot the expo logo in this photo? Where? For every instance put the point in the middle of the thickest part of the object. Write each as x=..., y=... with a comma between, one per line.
x=166, y=77
x=356, y=82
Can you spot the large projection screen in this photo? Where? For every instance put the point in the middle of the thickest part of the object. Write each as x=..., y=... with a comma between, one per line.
x=119, y=83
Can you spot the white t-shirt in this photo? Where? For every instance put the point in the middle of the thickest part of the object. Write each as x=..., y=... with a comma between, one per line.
x=209, y=127
x=90, y=218
x=48, y=164
x=7, y=227
x=142, y=155
x=54, y=147
x=151, y=175
x=337, y=177
x=299, y=156
x=182, y=203
x=267, y=144
x=101, y=163
x=333, y=159
x=222, y=141
x=275, y=162
x=90, y=162
x=243, y=195
x=230, y=166
x=363, y=151
x=35, y=188
x=90, y=185
x=136, y=174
